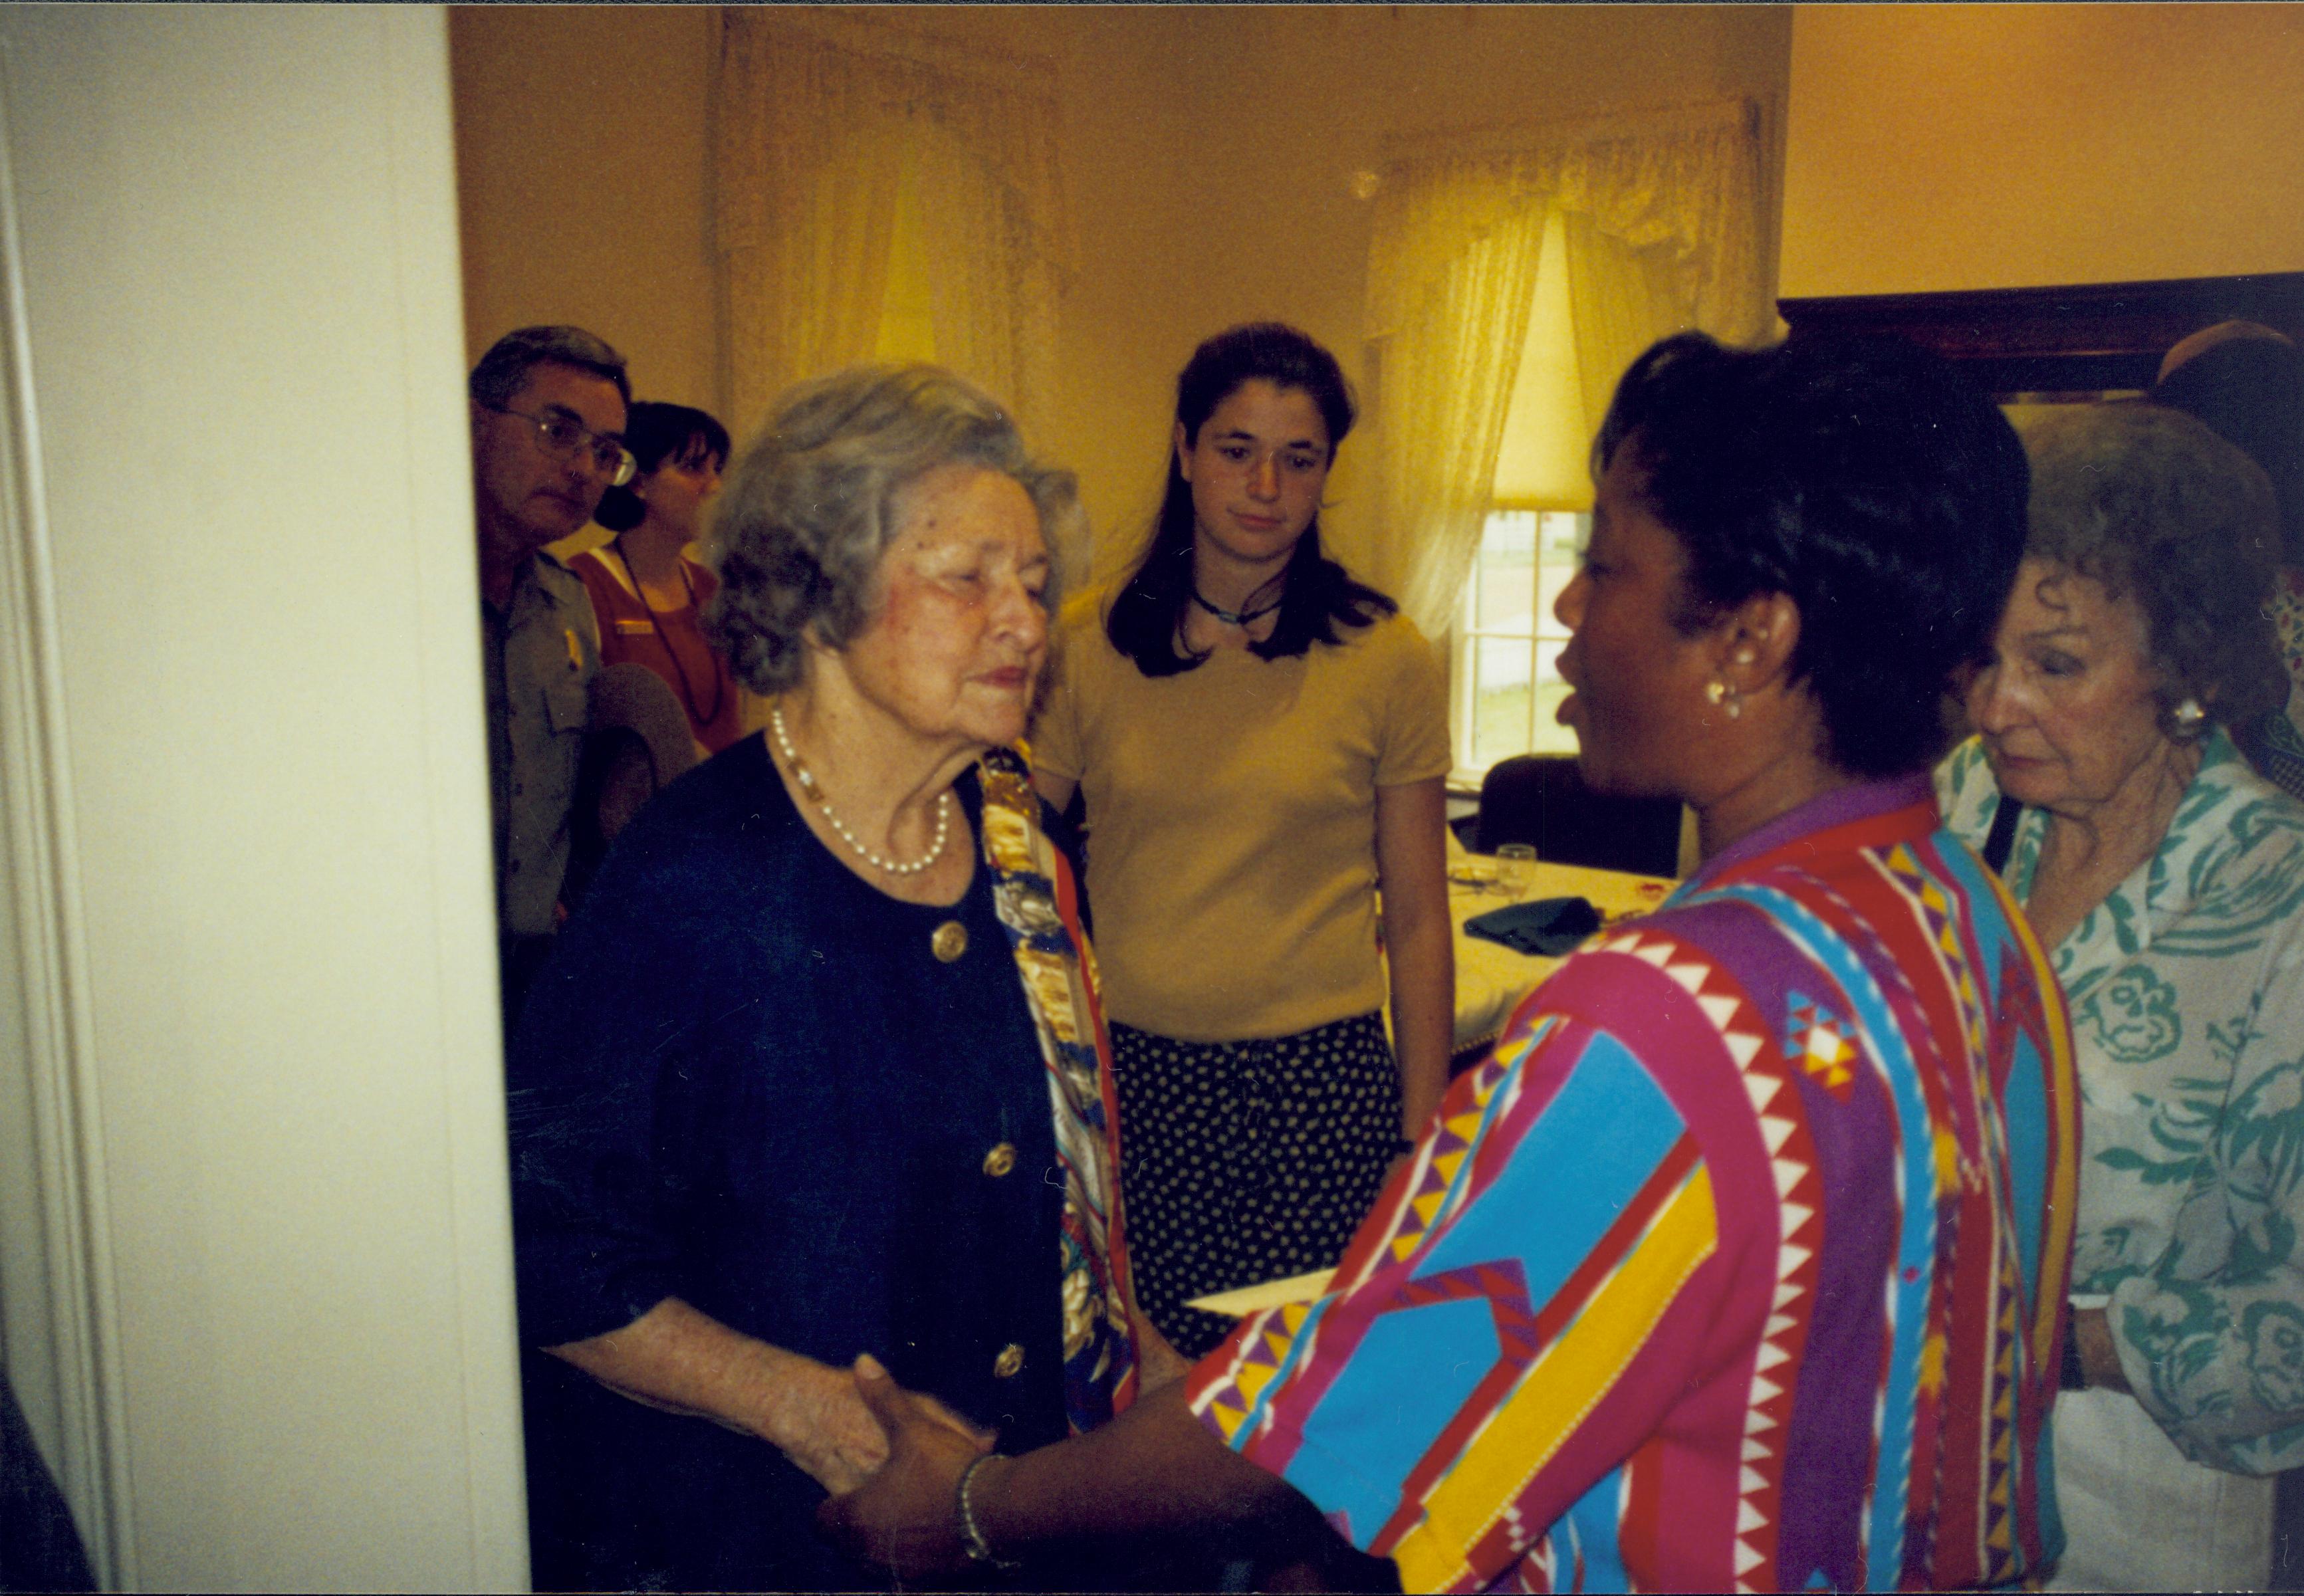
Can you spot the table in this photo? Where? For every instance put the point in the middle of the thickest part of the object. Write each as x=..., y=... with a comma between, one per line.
x=1491, y=979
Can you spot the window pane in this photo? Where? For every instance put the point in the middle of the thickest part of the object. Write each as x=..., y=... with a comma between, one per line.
x=1564, y=532
x=1503, y=689
x=1506, y=675
x=1506, y=572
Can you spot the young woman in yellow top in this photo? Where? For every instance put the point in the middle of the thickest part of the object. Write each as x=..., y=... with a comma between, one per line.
x=1261, y=741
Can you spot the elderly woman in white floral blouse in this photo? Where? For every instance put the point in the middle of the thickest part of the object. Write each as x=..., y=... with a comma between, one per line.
x=2168, y=878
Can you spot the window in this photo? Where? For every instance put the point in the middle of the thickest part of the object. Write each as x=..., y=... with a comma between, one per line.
x=1505, y=680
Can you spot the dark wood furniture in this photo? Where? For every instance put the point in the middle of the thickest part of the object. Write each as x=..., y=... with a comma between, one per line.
x=1540, y=799
x=2090, y=339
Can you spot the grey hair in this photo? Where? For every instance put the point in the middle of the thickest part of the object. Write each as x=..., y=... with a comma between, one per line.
x=809, y=507
x=503, y=371
x=2153, y=504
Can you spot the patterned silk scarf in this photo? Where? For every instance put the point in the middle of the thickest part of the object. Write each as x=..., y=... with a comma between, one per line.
x=1038, y=904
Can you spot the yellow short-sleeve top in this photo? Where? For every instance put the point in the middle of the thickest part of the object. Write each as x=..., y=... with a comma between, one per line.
x=1232, y=812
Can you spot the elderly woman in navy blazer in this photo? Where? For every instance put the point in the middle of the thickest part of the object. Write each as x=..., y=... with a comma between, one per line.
x=819, y=1070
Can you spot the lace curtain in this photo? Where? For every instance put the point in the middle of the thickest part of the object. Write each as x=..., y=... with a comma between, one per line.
x=821, y=118
x=1663, y=213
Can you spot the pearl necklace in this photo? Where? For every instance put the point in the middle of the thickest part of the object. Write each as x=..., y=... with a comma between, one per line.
x=807, y=785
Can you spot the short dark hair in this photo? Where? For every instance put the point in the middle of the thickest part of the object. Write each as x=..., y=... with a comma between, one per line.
x=1148, y=610
x=654, y=433
x=2250, y=392
x=2154, y=505
x=1866, y=481
x=503, y=371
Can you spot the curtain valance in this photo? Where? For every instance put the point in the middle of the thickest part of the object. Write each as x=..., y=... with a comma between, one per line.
x=1662, y=218
x=820, y=118
x=1685, y=179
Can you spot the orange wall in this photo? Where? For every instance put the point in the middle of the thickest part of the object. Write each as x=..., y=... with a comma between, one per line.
x=1945, y=147
x=580, y=150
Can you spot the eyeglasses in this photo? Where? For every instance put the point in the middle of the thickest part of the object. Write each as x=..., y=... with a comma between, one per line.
x=561, y=436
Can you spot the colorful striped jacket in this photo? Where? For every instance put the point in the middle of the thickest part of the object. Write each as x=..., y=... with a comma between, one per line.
x=1739, y=1267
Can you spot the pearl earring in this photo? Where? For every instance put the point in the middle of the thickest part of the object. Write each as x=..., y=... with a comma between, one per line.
x=2189, y=718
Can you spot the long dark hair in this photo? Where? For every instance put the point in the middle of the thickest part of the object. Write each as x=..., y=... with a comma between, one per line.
x=1147, y=614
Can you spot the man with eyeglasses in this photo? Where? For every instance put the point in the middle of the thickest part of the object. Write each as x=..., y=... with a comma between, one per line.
x=548, y=407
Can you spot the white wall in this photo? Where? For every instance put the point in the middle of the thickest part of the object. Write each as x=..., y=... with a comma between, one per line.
x=245, y=349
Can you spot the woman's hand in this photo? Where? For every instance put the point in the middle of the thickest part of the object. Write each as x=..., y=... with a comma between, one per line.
x=906, y=1517
x=1411, y=871
x=838, y=1442
x=1153, y=1470
x=823, y=1424
x=683, y=1361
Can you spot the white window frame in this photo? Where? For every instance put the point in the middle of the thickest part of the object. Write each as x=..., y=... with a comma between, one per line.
x=1560, y=540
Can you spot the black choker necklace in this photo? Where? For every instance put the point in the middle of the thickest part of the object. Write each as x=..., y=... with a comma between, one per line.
x=1235, y=617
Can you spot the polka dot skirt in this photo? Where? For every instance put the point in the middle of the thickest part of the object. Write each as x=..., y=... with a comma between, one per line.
x=1248, y=1161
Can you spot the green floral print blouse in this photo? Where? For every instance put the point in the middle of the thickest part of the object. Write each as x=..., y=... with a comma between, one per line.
x=2187, y=993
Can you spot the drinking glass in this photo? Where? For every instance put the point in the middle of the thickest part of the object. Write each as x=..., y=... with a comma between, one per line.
x=1515, y=868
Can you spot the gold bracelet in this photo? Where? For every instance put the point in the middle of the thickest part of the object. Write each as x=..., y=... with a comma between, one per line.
x=972, y=1538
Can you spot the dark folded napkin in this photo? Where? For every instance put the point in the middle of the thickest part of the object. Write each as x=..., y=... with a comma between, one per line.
x=1548, y=927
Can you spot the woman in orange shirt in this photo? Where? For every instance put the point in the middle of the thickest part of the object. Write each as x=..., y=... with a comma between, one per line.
x=648, y=594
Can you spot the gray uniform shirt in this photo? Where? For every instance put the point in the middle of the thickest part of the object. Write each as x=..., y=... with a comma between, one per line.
x=541, y=653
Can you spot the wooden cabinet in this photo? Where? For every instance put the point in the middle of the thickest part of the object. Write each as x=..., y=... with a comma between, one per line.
x=2091, y=340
